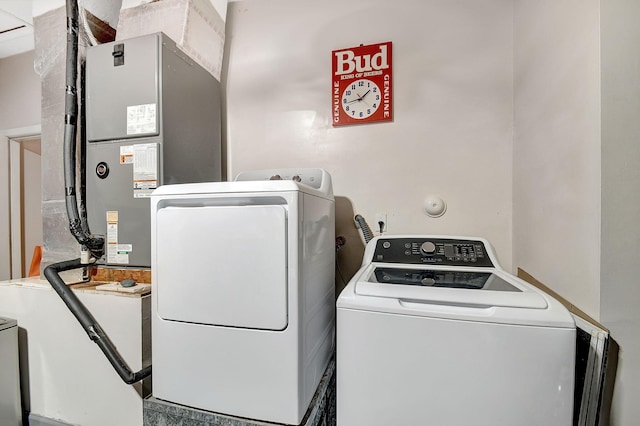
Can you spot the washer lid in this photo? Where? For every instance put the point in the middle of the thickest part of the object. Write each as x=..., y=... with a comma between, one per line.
x=7, y=323
x=447, y=287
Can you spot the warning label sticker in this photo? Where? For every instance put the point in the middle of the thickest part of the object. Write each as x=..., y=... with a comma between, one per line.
x=116, y=253
x=145, y=169
x=126, y=154
x=113, y=254
x=141, y=119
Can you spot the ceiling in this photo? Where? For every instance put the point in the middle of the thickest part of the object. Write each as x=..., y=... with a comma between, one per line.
x=16, y=27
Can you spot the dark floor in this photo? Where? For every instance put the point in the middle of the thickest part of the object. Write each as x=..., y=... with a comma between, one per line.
x=321, y=412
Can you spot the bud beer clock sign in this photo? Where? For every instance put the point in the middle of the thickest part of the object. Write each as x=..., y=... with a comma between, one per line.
x=361, y=86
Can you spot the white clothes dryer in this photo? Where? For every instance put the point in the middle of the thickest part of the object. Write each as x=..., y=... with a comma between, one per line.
x=432, y=331
x=243, y=300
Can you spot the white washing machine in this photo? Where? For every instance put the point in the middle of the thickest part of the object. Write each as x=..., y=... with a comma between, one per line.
x=10, y=409
x=243, y=292
x=432, y=331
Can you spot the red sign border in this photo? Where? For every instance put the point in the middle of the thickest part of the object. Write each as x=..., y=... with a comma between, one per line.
x=381, y=76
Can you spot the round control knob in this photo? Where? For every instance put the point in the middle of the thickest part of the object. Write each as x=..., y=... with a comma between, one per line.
x=428, y=247
x=102, y=170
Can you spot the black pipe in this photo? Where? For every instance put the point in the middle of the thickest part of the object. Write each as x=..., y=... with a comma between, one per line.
x=82, y=209
x=89, y=323
x=79, y=229
x=80, y=232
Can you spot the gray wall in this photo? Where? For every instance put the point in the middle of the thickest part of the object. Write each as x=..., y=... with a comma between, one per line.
x=620, y=277
x=19, y=92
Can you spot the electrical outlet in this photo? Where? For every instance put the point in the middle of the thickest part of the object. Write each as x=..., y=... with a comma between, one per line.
x=381, y=217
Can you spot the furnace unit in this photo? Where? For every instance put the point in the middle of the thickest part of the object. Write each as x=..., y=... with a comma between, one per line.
x=152, y=118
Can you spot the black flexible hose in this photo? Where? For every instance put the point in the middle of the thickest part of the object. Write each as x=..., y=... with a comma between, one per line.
x=89, y=323
x=364, y=227
x=78, y=228
x=80, y=232
x=82, y=208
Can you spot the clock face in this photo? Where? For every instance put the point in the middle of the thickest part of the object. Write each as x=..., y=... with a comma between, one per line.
x=361, y=99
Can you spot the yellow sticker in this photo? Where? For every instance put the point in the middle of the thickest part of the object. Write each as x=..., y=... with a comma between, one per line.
x=112, y=216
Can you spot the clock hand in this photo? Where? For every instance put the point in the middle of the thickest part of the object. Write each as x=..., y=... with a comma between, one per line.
x=356, y=100
x=360, y=98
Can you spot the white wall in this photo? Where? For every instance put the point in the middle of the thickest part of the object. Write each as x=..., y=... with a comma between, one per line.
x=64, y=375
x=620, y=299
x=5, y=216
x=556, y=161
x=452, y=128
x=577, y=165
x=19, y=92
x=32, y=213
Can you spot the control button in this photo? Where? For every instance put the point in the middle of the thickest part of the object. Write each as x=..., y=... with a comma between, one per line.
x=428, y=281
x=386, y=244
x=428, y=247
x=275, y=177
x=102, y=170
x=296, y=178
x=407, y=252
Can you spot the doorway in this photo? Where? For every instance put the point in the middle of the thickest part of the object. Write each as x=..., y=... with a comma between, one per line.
x=22, y=215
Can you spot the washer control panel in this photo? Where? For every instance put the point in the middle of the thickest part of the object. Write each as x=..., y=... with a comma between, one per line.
x=434, y=251
x=310, y=177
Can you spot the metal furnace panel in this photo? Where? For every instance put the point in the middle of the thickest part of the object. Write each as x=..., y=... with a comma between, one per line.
x=114, y=211
x=123, y=100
